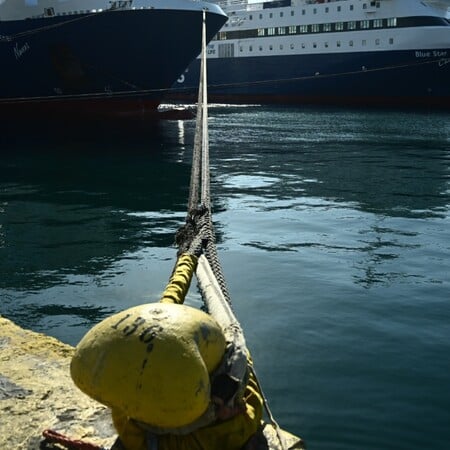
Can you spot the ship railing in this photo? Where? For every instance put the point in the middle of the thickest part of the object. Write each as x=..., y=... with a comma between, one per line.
x=235, y=5
x=121, y=4
x=241, y=5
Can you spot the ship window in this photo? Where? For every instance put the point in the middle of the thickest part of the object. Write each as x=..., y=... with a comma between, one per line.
x=270, y=47
x=338, y=43
x=271, y=31
x=303, y=28
x=327, y=27
x=303, y=45
x=250, y=49
x=378, y=23
x=226, y=50
x=222, y=35
x=315, y=11
x=241, y=49
x=49, y=12
x=281, y=46
x=339, y=26
x=314, y=44
x=260, y=16
x=351, y=25
x=350, y=43
x=338, y=8
x=377, y=42
x=351, y=7
x=315, y=28
x=261, y=31
x=303, y=12
x=364, y=5
x=281, y=30
x=260, y=48
x=292, y=12
x=327, y=9
x=292, y=29
x=281, y=14
x=326, y=44
x=392, y=22
x=391, y=41
x=270, y=15
x=292, y=46
x=364, y=42
x=365, y=24
x=250, y=17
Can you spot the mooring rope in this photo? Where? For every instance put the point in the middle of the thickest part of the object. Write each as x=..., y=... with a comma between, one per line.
x=209, y=271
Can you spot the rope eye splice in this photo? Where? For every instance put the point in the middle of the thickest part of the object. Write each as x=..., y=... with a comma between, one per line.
x=195, y=234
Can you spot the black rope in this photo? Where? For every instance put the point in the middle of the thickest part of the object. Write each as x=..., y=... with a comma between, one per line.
x=197, y=235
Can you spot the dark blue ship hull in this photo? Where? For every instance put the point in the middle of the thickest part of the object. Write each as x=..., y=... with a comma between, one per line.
x=112, y=63
x=407, y=78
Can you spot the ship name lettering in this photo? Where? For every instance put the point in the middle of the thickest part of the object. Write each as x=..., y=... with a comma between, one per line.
x=19, y=51
x=439, y=54
x=422, y=54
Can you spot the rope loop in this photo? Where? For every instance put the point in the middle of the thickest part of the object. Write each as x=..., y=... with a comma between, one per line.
x=193, y=236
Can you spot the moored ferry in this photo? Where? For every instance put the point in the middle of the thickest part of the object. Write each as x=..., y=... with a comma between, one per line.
x=88, y=59
x=335, y=52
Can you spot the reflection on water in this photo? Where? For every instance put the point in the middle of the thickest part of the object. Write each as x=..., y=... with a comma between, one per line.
x=75, y=211
x=333, y=231
x=393, y=164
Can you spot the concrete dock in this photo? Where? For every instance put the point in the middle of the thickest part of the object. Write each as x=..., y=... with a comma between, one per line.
x=37, y=393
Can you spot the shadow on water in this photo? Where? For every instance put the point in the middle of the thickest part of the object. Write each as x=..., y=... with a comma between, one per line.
x=73, y=205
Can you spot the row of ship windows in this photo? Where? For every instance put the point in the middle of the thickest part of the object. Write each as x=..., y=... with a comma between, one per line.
x=314, y=10
x=338, y=44
x=326, y=27
x=351, y=25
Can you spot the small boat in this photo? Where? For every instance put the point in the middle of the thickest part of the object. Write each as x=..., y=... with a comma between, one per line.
x=91, y=59
x=330, y=52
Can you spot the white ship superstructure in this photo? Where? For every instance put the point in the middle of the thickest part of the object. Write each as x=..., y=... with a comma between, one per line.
x=337, y=51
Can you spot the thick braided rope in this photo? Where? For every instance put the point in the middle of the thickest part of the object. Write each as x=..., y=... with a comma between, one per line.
x=200, y=223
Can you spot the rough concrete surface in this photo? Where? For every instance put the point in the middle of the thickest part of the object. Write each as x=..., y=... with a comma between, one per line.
x=37, y=393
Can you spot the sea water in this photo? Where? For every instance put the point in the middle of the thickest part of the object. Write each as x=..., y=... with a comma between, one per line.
x=333, y=232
